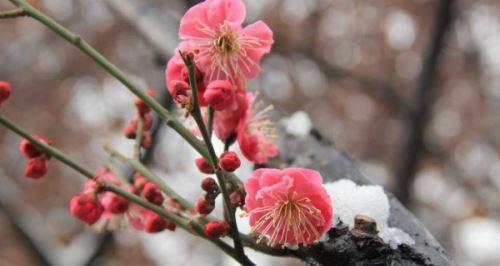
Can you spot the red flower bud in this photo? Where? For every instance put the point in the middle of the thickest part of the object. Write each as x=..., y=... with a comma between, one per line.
x=229, y=161
x=204, y=207
x=4, y=91
x=216, y=229
x=139, y=181
x=152, y=193
x=146, y=123
x=169, y=225
x=209, y=185
x=147, y=141
x=204, y=166
x=29, y=149
x=142, y=107
x=219, y=94
x=154, y=223
x=36, y=168
x=181, y=92
x=237, y=199
x=86, y=208
x=115, y=204
x=130, y=131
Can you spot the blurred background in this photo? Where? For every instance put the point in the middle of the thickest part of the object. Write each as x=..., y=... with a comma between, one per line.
x=409, y=89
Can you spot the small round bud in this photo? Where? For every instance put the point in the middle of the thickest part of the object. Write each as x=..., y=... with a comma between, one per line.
x=36, y=168
x=154, y=223
x=219, y=94
x=114, y=204
x=181, y=92
x=237, y=199
x=147, y=141
x=152, y=193
x=139, y=181
x=29, y=149
x=169, y=225
x=209, y=185
x=204, y=166
x=4, y=91
x=147, y=122
x=216, y=229
x=204, y=207
x=86, y=208
x=141, y=106
x=130, y=131
x=229, y=161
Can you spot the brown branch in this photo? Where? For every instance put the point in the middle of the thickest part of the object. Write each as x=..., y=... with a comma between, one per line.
x=426, y=94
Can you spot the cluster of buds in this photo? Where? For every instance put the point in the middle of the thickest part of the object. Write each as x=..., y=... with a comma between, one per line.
x=4, y=91
x=206, y=204
x=36, y=167
x=143, y=117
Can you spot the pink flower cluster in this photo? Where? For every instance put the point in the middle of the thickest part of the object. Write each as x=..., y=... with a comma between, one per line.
x=227, y=55
x=288, y=206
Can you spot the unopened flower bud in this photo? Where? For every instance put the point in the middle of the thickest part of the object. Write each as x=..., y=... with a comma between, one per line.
x=209, y=185
x=4, y=91
x=154, y=223
x=219, y=94
x=147, y=122
x=216, y=229
x=229, y=161
x=86, y=208
x=147, y=141
x=130, y=131
x=139, y=181
x=180, y=92
x=141, y=106
x=29, y=149
x=152, y=193
x=204, y=207
x=36, y=168
x=114, y=203
x=169, y=225
x=204, y=166
x=237, y=199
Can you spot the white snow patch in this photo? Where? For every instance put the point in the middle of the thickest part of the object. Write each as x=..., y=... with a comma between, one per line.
x=299, y=124
x=349, y=200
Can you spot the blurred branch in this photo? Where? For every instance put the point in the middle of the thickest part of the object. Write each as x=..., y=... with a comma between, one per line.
x=128, y=14
x=384, y=92
x=426, y=94
x=14, y=13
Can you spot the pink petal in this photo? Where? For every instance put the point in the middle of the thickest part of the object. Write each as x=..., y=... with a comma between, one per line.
x=192, y=21
x=220, y=11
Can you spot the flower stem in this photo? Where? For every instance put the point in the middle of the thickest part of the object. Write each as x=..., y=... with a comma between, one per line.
x=138, y=138
x=221, y=177
x=210, y=123
x=81, y=44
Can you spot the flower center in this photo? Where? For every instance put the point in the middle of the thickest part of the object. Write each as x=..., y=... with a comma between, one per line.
x=227, y=40
x=289, y=221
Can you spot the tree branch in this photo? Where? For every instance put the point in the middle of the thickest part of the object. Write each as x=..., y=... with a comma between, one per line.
x=412, y=150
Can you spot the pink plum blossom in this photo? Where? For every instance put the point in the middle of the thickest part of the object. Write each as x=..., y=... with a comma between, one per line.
x=288, y=206
x=226, y=121
x=256, y=133
x=225, y=50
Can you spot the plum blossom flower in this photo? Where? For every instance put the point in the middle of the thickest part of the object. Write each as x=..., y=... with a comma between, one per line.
x=256, y=133
x=288, y=206
x=225, y=50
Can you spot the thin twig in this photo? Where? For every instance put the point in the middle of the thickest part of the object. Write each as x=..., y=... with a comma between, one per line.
x=18, y=12
x=412, y=150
